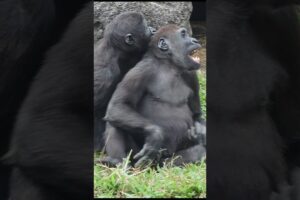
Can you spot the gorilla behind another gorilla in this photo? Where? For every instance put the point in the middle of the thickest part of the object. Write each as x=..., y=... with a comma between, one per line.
x=125, y=41
x=152, y=107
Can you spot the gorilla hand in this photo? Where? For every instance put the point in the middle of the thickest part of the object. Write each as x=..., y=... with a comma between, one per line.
x=109, y=161
x=151, y=149
x=198, y=132
x=200, y=129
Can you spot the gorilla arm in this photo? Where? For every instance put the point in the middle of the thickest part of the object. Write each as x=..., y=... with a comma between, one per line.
x=191, y=79
x=121, y=112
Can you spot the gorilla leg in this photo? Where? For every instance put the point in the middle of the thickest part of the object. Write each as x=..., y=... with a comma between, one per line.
x=99, y=128
x=189, y=155
x=117, y=145
x=192, y=154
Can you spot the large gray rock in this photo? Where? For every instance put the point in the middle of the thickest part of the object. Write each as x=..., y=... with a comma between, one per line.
x=157, y=14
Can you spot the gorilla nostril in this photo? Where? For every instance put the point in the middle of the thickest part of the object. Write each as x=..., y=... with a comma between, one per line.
x=152, y=30
x=195, y=41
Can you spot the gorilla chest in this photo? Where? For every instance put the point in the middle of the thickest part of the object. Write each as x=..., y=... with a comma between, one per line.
x=169, y=88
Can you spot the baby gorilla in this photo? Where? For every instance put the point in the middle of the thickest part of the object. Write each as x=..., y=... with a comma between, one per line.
x=150, y=109
x=125, y=41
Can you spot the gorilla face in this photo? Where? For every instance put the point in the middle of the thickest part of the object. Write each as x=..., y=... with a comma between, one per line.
x=190, y=45
x=129, y=32
x=138, y=37
x=175, y=44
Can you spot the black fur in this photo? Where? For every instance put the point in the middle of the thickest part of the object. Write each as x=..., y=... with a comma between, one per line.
x=113, y=57
x=150, y=109
x=253, y=98
x=28, y=29
x=52, y=145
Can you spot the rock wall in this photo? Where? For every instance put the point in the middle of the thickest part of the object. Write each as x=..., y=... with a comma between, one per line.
x=156, y=13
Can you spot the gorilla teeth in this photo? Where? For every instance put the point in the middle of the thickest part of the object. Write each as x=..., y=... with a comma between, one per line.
x=196, y=59
x=193, y=55
x=193, y=52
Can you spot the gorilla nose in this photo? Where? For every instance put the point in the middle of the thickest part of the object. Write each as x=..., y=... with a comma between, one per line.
x=195, y=41
x=152, y=30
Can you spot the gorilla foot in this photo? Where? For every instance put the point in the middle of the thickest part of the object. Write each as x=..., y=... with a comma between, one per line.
x=110, y=162
x=149, y=156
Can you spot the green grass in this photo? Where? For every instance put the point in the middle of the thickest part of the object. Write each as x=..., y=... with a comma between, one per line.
x=165, y=182
x=202, y=91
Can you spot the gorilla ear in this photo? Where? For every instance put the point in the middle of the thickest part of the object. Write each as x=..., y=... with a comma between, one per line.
x=162, y=45
x=129, y=39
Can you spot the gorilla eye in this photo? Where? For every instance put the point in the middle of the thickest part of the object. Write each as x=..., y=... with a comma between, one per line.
x=162, y=45
x=183, y=33
x=129, y=39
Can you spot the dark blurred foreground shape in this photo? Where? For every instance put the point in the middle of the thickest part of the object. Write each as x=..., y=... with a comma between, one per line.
x=253, y=102
x=46, y=71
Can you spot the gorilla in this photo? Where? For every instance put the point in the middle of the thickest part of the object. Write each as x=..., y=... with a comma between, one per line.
x=151, y=108
x=125, y=40
x=28, y=30
x=52, y=144
x=253, y=100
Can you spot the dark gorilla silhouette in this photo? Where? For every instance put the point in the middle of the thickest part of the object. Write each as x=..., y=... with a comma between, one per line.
x=253, y=100
x=125, y=41
x=151, y=107
x=52, y=145
x=28, y=29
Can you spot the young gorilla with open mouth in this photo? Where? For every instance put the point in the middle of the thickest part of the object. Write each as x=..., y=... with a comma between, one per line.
x=152, y=108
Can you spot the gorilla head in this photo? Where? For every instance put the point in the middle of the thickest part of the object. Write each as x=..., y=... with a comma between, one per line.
x=129, y=32
x=173, y=43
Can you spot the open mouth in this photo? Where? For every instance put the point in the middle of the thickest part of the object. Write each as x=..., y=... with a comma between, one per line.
x=193, y=55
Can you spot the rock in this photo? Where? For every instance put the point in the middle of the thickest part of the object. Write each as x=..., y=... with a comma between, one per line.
x=157, y=14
